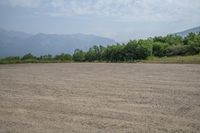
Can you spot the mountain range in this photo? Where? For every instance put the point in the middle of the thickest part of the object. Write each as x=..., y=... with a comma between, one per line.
x=16, y=43
x=186, y=32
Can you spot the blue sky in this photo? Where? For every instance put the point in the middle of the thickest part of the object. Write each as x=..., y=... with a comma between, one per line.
x=117, y=19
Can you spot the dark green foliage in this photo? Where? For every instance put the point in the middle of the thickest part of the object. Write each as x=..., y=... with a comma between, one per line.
x=130, y=50
x=169, y=39
x=159, y=39
x=63, y=57
x=177, y=50
x=114, y=53
x=10, y=59
x=188, y=38
x=193, y=42
x=160, y=49
x=174, y=45
x=173, y=40
x=144, y=49
x=135, y=50
x=93, y=54
x=46, y=57
x=79, y=55
x=28, y=56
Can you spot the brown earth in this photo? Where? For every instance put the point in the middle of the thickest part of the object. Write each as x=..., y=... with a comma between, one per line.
x=84, y=97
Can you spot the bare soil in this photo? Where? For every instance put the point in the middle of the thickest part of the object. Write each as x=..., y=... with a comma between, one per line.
x=98, y=97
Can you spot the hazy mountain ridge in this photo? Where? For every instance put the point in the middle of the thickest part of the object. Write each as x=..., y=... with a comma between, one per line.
x=186, y=32
x=16, y=43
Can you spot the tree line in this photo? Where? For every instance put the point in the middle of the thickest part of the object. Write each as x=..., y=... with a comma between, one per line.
x=170, y=45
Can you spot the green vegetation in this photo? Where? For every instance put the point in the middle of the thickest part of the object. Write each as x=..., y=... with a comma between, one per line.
x=191, y=59
x=167, y=49
x=79, y=55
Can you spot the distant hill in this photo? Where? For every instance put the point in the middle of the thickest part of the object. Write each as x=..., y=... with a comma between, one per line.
x=15, y=43
x=186, y=32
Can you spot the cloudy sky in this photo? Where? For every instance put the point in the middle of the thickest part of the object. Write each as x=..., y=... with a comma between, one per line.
x=117, y=19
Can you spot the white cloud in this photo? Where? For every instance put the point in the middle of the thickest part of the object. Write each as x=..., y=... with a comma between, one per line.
x=129, y=10
x=121, y=10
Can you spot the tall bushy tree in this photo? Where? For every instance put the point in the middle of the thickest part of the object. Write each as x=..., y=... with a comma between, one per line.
x=130, y=50
x=135, y=50
x=46, y=57
x=144, y=49
x=79, y=55
x=193, y=42
x=63, y=57
x=173, y=40
x=159, y=49
x=93, y=54
x=176, y=50
x=28, y=56
x=169, y=39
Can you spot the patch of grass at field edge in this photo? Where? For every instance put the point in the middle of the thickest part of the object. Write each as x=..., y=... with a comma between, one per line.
x=195, y=59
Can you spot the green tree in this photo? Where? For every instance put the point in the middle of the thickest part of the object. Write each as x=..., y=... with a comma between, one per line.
x=93, y=54
x=170, y=39
x=173, y=40
x=79, y=55
x=193, y=42
x=144, y=49
x=113, y=53
x=45, y=57
x=130, y=50
x=63, y=57
x=135, y=50
x=28, y=56
x=160, y=49
x=11, y=59
x=176, y=50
